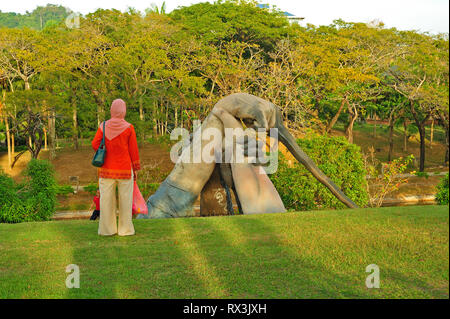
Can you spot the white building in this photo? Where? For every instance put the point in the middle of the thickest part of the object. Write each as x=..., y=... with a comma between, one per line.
x=291, y=17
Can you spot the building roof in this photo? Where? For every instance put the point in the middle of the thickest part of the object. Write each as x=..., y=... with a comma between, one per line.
x=286, y=14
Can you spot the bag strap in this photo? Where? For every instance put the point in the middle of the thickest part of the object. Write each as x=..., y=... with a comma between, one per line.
x=102, y=144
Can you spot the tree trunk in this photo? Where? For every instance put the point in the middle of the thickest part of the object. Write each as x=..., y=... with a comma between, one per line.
x=167, y=118
x=353, y=115
x=13, y=143
x=155, y=120
x=51, y=136
x=405, y=135
x=142, y=119
x=421, y=126
x=8, y=138
x=446, y=159
x=181, y=117
x=45, y=139
x=422, y=147
x=141, y=109
x=75, y=127
x=431, y=133
x=336, y=116
x=99, y=102
x=392, y=119
x=176, y=117
x=391, y=139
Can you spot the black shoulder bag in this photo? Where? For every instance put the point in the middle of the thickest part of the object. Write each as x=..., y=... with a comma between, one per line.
x=99, y=157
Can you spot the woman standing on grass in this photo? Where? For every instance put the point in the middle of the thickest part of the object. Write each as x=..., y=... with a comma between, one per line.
x=119, y=168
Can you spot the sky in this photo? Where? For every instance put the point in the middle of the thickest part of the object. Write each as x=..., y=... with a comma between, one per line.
x=422, y=15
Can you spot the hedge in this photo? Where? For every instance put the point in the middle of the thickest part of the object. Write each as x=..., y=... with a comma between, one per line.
x=33, y=200
x=341, y=161
x=442, y=194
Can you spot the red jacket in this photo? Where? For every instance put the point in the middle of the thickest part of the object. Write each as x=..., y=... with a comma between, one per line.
x=122, y=154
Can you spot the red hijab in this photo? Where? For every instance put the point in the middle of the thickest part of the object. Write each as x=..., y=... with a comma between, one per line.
x=117, y=124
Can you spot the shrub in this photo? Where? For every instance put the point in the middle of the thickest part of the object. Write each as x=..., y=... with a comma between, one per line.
x=17, y=212
x=10, y=204
x=34, y=200
x=7, y=190
x=64, y=189
x=384, y=177
x=40, y=188
x=442, y=194
x=341, y=161
x=422, y=174
x=91, y=188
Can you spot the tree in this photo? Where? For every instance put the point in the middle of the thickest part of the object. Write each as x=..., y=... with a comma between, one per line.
x=414, y=75
x=143, y=61
x=234, y=21
x=4, y=118
x=31, y=106
x=22, y=54
x=172, y=68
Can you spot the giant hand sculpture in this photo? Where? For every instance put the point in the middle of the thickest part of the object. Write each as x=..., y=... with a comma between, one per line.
x=255, y=192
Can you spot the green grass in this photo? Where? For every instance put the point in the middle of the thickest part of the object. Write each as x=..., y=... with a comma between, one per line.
x=321, y=254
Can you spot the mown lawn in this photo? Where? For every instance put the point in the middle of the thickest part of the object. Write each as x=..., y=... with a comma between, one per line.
x=293, y=255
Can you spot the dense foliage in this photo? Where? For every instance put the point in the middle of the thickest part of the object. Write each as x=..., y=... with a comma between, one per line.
x=172, y=68
x=341, y=161
x=33, y=200
x=442, y=194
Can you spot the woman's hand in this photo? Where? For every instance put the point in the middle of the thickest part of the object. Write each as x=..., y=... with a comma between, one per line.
x=135, y=175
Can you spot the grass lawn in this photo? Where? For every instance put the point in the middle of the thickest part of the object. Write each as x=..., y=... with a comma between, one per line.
x=321, y=254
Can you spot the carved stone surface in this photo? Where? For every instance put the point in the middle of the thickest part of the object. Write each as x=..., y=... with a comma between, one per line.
x=213, y=198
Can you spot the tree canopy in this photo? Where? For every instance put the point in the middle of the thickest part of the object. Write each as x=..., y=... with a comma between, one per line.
x=171, y=68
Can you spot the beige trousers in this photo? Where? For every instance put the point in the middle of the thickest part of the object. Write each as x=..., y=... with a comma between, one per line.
x=108, y=221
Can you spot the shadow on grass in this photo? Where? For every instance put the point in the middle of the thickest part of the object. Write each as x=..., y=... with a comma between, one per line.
x=35, y=262
x=414, y=282
x=300, y=276
x=147, y=265
x=251, y=262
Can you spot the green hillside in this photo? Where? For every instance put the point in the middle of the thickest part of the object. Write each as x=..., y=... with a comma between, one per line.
x=37, y=19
